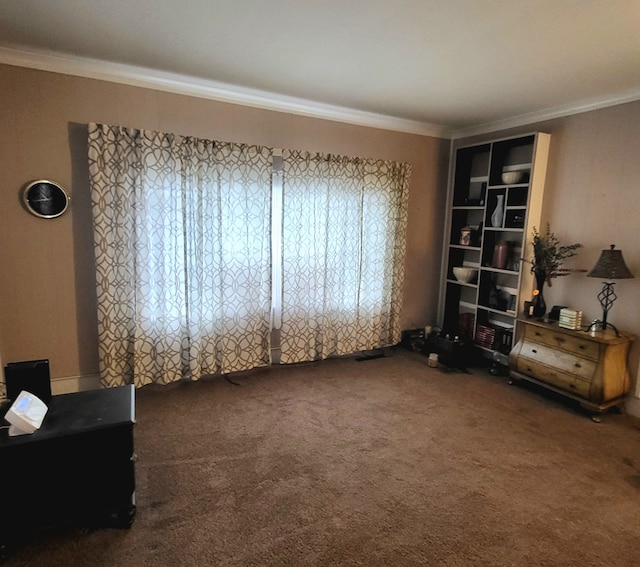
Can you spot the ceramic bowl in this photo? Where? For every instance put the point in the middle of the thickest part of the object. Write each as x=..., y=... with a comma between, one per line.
x=464, y=274
x=509, y=177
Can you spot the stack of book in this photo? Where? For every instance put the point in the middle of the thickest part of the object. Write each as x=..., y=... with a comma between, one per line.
x=466, y=322
x=485, y=336
x=506, y=341
x=570, y=319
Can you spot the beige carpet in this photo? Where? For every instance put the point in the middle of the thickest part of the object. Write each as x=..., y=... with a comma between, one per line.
x=381, y=462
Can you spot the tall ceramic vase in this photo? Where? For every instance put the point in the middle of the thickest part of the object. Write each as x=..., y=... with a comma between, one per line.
x=500, y=255
x=538, y=303
x=496, y=216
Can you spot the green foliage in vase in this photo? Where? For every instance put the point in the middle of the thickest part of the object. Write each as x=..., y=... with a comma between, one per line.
x=549, y=255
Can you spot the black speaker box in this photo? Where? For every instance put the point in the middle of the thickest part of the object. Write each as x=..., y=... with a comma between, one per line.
x=32, y=376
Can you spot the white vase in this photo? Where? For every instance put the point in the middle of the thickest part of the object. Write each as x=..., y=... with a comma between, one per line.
x=496, y=216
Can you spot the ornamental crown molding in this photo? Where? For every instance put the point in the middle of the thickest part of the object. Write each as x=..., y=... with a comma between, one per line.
x=213, y=90
x=192, y=86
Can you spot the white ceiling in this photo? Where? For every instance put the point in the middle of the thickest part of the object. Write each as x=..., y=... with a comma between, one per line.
x=447, y=67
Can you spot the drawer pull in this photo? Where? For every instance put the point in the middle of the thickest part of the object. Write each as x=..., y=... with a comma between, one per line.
x=534, y=351
x=560, y=339
x=537, y=333
x=578, y=365
x=581, y=347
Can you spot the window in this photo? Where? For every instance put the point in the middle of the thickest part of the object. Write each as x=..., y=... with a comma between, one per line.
x=197, y=257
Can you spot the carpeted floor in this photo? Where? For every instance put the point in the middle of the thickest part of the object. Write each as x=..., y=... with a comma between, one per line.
x=379, y=462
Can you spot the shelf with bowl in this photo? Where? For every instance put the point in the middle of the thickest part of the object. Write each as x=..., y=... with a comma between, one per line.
x=465, y=274
x=456, y=282
x=514, y=176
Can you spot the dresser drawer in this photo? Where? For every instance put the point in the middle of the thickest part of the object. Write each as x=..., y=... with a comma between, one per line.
x=558, y=340
x=582, y=368
x=568, y=382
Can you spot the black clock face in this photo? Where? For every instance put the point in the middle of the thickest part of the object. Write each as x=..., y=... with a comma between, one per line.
x=46, y=199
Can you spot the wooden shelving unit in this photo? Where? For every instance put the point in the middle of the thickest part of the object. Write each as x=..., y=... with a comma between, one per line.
x=485, y=310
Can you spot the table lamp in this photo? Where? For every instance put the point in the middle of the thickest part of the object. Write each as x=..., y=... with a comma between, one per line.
x=610, y=266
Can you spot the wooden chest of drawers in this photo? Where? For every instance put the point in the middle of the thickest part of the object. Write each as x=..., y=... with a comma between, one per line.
x=590, y=367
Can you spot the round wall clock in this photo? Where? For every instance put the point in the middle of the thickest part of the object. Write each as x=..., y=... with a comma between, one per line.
x=46, y=199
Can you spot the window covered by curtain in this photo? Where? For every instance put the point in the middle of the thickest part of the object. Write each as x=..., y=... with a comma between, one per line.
x=182, y=241
x=343, y=245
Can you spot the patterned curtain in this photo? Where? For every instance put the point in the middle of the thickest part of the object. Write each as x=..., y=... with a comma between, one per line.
x=343, y=233
x=182, y=230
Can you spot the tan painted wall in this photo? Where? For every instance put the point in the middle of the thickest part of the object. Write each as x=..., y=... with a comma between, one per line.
x=592, y=196
x=47, y=285
x=47, y=282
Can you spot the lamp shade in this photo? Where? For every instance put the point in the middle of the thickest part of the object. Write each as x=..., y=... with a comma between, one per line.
x=610, y=266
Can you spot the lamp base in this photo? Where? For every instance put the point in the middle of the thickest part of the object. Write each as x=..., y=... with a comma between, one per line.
x=603, y=326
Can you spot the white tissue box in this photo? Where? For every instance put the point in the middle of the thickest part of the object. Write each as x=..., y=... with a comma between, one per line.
x=26, y=414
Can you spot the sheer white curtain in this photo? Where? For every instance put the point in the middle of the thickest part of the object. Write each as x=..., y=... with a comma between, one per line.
x=182, y=241
x=343, y=246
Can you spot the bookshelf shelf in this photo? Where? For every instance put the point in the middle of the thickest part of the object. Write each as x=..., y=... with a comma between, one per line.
x=475, y=189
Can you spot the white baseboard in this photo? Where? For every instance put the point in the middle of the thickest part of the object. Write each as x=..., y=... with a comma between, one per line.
x=69, y=384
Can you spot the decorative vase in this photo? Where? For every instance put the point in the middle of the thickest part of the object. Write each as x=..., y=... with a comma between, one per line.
x=500, y=255
x=496, y=216
x=465, y=236
x=538, y=305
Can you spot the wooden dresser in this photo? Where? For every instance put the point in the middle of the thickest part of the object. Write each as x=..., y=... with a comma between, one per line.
x=590, y=367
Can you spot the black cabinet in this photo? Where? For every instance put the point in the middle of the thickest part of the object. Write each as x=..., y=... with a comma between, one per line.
x=78, y=467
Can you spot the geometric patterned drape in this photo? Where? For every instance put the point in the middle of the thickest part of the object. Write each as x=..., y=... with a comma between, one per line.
x=182, y=244
x=343, y=234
